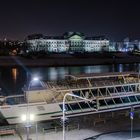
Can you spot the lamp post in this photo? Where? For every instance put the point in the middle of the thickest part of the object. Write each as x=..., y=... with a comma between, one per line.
x=64, y=98
x=132, y=117
x=28, y=117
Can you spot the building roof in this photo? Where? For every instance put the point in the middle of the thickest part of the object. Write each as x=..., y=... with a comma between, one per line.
x=66, y=35
x=96, y=38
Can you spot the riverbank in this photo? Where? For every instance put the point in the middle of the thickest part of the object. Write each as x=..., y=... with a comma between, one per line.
x=66, y=61
x=115, y=128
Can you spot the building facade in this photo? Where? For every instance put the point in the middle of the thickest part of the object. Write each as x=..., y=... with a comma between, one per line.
x=69, y=42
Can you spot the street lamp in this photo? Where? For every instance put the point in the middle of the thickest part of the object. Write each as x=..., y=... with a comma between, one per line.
x=64, y=98
x=132, y=117
x=28, y=117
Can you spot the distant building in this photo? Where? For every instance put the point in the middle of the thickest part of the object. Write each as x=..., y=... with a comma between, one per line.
x=139, y=45
x=10, y=47
x=70, y=42
x=113, y=47
x=125, y=46
x=130, y=45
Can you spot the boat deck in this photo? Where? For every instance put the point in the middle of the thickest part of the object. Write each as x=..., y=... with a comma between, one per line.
x=94, y=80
x=106, y=90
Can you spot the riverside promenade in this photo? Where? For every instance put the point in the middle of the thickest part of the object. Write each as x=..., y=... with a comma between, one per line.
x=83, y=134
x=113, y=129
x=71, y=135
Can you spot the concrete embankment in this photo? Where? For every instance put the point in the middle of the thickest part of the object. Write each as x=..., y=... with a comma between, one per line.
x=64, y=61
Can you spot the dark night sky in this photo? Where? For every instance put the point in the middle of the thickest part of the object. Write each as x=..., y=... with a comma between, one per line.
x=116, y=19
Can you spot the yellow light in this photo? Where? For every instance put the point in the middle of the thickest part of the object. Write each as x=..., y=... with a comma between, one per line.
x=14, y=73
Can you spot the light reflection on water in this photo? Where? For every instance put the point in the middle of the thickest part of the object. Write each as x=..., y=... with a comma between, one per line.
x=14, y=74
x=13, y=79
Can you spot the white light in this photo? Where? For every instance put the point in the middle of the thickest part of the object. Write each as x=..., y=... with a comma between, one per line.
x=35, y=79
x=23, y=118
x=32, y=117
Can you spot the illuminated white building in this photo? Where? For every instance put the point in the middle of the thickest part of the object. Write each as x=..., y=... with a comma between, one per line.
x=69, y=42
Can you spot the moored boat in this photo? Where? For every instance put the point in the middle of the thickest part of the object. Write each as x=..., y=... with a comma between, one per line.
x=107, y=91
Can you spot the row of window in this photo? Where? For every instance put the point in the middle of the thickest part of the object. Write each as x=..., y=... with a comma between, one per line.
x=97, y=48
x=78, y=43
x=68, y=42
x=62, y=45
x=105, y=102
x=120, y=100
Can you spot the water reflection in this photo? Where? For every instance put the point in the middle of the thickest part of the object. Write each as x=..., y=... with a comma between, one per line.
x=14, y=74
x=13, y=79
x=139, y=68
x=96, y=69
x=120, y=66
x=52, y=74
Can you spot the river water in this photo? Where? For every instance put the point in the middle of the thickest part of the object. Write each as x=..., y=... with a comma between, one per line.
x=13, y=79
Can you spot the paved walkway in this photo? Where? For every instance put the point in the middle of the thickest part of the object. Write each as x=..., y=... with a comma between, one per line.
x=76, y=135
x=70, y=135
x=87, y=129
x=119, y=136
